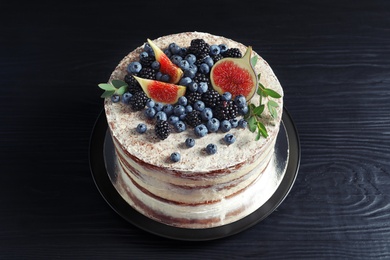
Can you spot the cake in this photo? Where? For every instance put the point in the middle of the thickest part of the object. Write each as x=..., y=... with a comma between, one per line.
x=199, y=189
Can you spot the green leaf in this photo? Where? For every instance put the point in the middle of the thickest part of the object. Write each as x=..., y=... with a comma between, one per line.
x=121, y=90
x=118, y=83
x=107, y=93
x=262, y=129
x=272, y=103
x=258, y=136
x=272, y=109
x=106, y=86
x=272, y=93
x=252, y=124
x=254, y=60
x=258, y=110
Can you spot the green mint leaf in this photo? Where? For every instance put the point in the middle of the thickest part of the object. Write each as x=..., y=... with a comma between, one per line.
x=252, y=124
x=272, y=103
x=118, y=83
x=121, y=90
x=262, y=129
x=107, y=93
x=272, y=109
x=258, y=110
x=106, y=86
x=254, y=60
x=258, y=136
x=272, y=93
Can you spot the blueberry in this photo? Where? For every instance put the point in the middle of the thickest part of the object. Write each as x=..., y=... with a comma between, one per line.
x=168, y=109
x=174, y=48
x=225, y=126
x=183, y=116
x=148, y=49
x=185, y=81
x=150, y=103
x=202, y=87
x=176, y=59
x=158, y=106
x=165, y=78
x=173, y=119
x=243, y=110
x=194, y=68
x=159, y=75
x=150, y=112
x=189, y=73
x=214, y=50
x=193, y=86
x=204, y=68
x=229, y=138
x=191, y=58
x=211, y=149
x=226, y=96
x=175, y=157
x=240, y=101
x=200, y=130
x=134, y=67
x=213, y=125
x=161, y=116
x=179, y=110
x=182, y=52
x=155, y=65
x=184, y=65
x=209, y=61
x=182, y=101
x=223, y=48
x=206, y=114
x=234, y=122
x=242, y=123
x=126, y=97
x=168, y=53
x=199, y=105
x=115, y=98
x=190, y=142
x=143, y=54
x=141, y=128
x=180, y=126
x=189, y=109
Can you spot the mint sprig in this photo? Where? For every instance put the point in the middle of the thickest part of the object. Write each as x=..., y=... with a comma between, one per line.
x=115, y=87
x=254, y=114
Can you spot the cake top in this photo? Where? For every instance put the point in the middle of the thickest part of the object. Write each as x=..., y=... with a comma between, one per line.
x=136, y=130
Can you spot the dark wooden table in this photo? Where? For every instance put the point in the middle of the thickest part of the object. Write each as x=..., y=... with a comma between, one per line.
x=332, y=58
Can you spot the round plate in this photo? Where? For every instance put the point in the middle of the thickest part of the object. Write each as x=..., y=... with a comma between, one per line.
x=287, y=147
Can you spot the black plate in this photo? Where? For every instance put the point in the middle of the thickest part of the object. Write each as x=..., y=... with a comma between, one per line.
x=288, y=138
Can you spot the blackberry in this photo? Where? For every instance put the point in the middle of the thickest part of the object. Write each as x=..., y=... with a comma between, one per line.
x=199, y=48
x=233, y=53
x=217, y=57
x=193, y=118
x=192, y=97
x=133, y=85
x=147, y=61
x=200, y=77
x=225, y=110
x=147, y=73
x=211, y=98
x=162, y=129
x=138, y=101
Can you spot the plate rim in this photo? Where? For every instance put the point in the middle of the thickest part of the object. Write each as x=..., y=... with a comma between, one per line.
x=122, y=208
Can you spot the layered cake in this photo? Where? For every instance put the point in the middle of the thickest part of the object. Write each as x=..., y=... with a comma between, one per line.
x=192, y=169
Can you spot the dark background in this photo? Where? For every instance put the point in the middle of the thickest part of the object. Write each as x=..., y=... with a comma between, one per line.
x=331, y=57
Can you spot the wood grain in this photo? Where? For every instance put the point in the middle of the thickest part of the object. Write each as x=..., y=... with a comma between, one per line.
x=332, y=58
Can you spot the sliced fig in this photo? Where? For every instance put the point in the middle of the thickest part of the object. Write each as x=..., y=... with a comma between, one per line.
x=235, y=75
x=166, y=65
x=162, y=92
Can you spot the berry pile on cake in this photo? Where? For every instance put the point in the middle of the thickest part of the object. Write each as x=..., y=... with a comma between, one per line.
x=183, y=111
